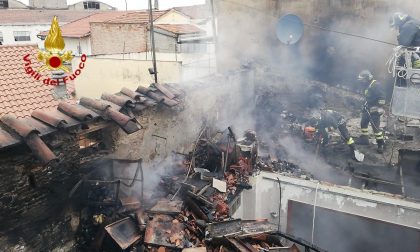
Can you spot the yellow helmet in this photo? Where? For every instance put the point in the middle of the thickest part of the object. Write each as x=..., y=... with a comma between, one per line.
x=397, y=19
x=365, y=75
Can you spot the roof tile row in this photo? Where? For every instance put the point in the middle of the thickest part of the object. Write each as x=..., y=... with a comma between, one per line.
x=9, y=16
x=28, y=109
x=20, y=94
x=67, y=116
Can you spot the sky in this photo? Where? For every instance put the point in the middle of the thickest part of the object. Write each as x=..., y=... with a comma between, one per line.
x=140, y=4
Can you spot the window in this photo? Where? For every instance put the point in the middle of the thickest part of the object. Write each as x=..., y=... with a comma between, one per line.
x=91, y=5
x=4, y=4
x=1, y=38
x=22, y=35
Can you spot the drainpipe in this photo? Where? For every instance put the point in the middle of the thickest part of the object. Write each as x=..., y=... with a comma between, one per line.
x=213, y=22
x=177, y=39
x=152, y=38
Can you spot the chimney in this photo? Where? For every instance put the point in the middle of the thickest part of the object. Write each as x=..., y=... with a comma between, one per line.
x=156, y=5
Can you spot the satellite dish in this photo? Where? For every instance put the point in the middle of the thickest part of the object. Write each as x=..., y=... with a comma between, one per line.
x=289, y=29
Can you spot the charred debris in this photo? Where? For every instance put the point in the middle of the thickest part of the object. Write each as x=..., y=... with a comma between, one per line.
x=191, y=209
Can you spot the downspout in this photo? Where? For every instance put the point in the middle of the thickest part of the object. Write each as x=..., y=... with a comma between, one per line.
x=176, y=49
x=152, y=37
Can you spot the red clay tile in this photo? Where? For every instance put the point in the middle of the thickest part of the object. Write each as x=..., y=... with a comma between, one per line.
x=38, y=16
x=179, y=28
x=20, y=94
x=81, y=27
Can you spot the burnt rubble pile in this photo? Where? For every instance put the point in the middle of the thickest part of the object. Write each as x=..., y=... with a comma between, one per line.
x=190, y=210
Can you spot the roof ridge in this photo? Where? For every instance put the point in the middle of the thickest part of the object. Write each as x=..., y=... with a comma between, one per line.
x=93, y=13
x=159, y=13
x=19, y=45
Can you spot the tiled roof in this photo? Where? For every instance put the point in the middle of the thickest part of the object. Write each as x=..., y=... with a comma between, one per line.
x=20, y=94
x=201, y=11
x=81, y=27
x=137, y=17
x=39, y=16
x=119, y=108
x=179, y=28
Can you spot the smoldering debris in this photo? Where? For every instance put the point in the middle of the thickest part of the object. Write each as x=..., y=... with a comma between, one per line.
x=193, y=208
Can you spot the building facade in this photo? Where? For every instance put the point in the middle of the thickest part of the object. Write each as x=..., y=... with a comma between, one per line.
x=91, y=5
x=23, y=26
x=12, y=4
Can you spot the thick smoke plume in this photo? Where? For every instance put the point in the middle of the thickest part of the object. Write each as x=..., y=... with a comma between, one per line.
x=258, y=78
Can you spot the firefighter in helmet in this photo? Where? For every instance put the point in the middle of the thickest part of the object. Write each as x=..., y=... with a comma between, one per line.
x=326, y=119
x=408, y=28
x=372, y=109
x=409, y=34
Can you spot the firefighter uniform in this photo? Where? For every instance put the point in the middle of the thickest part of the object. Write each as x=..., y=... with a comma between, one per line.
x=409, y=36
x=409, y=32
x=371, y=112
x=333, y=119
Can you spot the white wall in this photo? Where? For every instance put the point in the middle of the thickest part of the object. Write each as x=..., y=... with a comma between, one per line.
x=110, y=75
x=13, y=4
x=8, y=29
x=193, y=65
x=80, y=6
x=73, y=44
x=263, y=199
x=48, y=4
x=173, y=17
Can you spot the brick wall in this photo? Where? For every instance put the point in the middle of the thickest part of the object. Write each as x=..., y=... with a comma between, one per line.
x=117, y=38
x=164, y=43
x=32, y=196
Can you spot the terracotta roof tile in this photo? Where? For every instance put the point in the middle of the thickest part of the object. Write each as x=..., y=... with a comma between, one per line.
x=46, y=121
x=81, y=27
x=179, y=28
x=19, y=93
x=39, y=16
x=137, y=17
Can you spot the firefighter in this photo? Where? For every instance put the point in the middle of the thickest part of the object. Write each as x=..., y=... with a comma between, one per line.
x=409, y=34
x=372, y=109
x=331, y=119
x=408, y=27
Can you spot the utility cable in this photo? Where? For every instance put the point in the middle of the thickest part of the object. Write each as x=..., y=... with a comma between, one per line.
x=315, y=26
x=348, y=34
